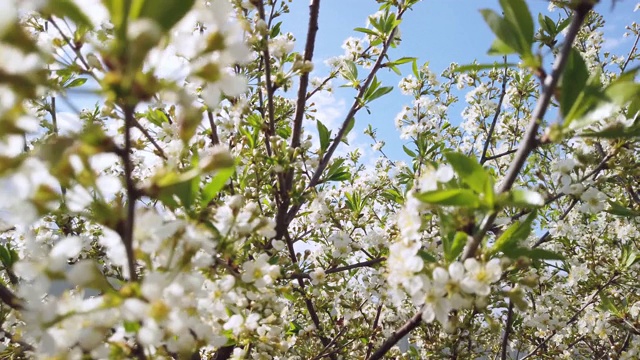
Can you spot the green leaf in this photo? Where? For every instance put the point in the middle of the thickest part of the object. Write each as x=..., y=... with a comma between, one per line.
x=366, y=31
x=498, y=47
x=414, y=68
x=350, y=126
x=408, y=152
x=349, y=71
x=469, y=170
x=8, y=256
x=517, y=13
x=478, y=67
x=522, y=198
x=275, y=30
x=574, y=79
x=450, y=197
x=324, y=135
x=589, y=97
x=544, y=25
x=457, y=245
x=504, y=30
x=68, y=9
x=76, y=82
x=402, y=60
x=217, y=182
x=606, y=304
x=132, y=326
x=517, y=232
x=166, y=13
x=378, y=93
x=337, y=172
x=294, y=328
x=170, y=186
x=426, y=256
x=618, y=209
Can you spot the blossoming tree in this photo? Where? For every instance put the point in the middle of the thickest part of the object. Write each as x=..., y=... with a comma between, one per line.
x=200, y=210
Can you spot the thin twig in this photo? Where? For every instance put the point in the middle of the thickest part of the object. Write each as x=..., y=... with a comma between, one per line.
x=374, y=326
x=336, y=270
x=215, y=140
x=507, y=331
x=574, y=317
x=396, y=336
x=483, y=159
x=633, y=49
x=497, y=156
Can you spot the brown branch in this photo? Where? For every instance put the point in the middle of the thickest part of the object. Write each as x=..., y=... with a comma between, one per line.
x=633, y=49
x=503, y=92
x=529, y=140
x=507, y=332
x=374, y=326
x=127, y=235
x=314, y=9
x=75, y=49
x=397, y=335
x=523, y=152
x=9, y=298
x=333, y=341
x=215, y=140
x=287, y=183
x=336, y=270
x=497, y=156
x=150, y=138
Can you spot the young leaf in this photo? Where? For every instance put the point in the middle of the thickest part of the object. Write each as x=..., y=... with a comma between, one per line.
x=350, y=126
x=504, y=30
x=574, y=78
x=457, y=245
x=517, y=232
x=517, y=13
x=76, y=82
x=166, y=13
x=408, y=152
x=522, y=198
x=469, y=170
x=450, y=197
x=324, y=135
x=617, y=209
x=217, y=182
x=366, y=31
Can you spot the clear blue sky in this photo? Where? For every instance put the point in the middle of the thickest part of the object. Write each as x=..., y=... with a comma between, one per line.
x=438, y=31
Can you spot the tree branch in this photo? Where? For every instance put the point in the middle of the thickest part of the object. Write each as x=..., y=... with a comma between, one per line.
x=127, y=236
x=336, y=270
x=523, y=152
x=352, y=111
x=397, y=335
x=9, y=298
x=529, y=140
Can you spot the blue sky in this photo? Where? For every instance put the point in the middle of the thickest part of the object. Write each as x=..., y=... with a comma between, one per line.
x=438, y=31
